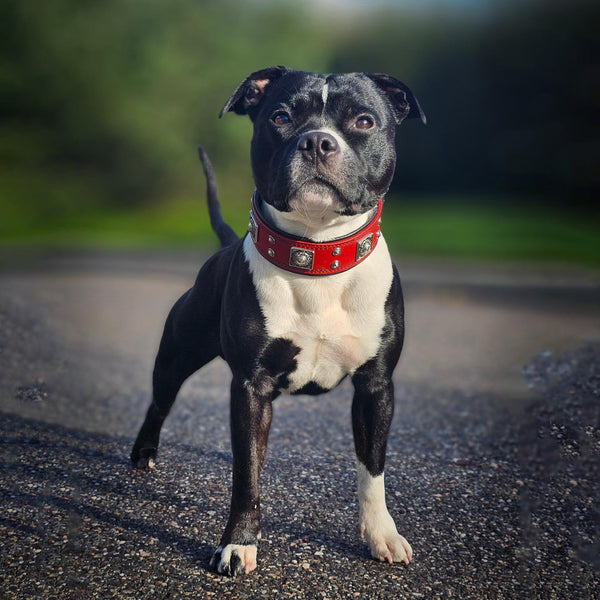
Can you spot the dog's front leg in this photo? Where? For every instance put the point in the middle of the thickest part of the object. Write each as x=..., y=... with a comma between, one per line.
x=251, y=415
x=372, y=411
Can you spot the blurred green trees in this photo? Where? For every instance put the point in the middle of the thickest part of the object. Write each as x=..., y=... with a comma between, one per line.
x=103, y=103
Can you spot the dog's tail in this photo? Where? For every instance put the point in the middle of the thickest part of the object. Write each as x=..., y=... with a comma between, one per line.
x=226, y=235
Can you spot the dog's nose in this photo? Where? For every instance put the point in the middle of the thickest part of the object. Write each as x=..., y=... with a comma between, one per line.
x=318, y=145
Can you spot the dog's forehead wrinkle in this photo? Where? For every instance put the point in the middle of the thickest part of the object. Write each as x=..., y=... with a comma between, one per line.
x=298, y=92
x=356, y=91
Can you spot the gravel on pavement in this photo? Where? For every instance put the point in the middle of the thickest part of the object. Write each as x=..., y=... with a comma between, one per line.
x=492, y=470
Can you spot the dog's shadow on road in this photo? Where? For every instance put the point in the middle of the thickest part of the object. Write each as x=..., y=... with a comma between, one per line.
x=65, y=484
x=70, y=485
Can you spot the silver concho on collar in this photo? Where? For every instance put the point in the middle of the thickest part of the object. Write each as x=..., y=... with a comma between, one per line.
x=301, y=258
x=364, y=246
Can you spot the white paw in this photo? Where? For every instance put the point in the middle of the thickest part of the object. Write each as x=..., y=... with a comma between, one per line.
x=234, y=559
x=386, y=544
x=376, y=524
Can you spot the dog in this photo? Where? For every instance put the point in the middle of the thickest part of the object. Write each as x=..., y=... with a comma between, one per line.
x=308, y=297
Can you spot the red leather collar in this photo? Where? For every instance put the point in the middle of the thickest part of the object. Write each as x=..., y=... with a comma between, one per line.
x=299, y=255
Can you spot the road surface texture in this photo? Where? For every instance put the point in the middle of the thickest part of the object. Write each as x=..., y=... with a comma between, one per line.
x=492, y=471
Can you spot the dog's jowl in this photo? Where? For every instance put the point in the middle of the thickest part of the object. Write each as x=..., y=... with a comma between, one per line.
x=308, y=297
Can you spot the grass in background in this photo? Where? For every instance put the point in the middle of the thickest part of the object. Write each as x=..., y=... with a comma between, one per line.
x=467, y=231
x=492, y=231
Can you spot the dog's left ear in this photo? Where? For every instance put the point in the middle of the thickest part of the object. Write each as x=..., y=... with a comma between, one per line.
x=252, y=90
x=403, y=100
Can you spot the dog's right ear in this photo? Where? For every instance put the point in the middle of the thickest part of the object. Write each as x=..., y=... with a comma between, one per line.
x=252, y=90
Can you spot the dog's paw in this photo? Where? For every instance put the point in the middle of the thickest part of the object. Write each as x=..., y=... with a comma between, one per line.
x=386, y=544
x=234, y=559
x=143, y=459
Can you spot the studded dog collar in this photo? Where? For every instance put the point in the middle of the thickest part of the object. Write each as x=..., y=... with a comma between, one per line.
x=300, y=255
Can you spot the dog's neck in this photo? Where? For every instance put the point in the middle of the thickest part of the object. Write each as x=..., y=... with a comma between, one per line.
x=306, y=249
x=314, y=225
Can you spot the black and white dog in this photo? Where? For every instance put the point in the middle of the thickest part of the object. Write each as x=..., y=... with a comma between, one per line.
x=307, y=297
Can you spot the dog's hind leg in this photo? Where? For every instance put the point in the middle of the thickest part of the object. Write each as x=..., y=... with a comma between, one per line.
x=190, y=340
x=174, y=364
x=169, y=374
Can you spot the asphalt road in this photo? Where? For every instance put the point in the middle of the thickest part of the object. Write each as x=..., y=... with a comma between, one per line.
x=493, y=463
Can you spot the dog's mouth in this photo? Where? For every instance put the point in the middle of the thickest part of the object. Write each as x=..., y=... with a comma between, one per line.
x=321, y=195
x=317, y=192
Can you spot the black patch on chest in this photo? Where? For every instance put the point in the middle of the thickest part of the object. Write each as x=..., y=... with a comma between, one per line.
x=273, y=367
x=278, y=360
x=310, y=389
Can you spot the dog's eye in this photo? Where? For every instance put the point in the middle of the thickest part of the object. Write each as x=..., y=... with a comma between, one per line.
x=364, y=122
x=281, y=118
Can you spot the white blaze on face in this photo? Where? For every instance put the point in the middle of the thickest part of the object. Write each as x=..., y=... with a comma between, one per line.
x=325, y=93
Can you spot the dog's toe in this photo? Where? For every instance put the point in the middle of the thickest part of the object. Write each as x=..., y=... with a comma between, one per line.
x=385, y=543
x=216, y=558
x=391, y=549
x=234, y=560
x=143, y=459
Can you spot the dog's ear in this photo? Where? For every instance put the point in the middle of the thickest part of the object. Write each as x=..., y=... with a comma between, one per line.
x=252, y=90
x=404, y=102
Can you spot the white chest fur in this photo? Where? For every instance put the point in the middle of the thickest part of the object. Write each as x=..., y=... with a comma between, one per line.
x=335, y=320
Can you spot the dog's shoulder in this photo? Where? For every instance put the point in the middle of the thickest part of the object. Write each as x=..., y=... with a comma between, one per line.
x=209, y=289
x=216, y=268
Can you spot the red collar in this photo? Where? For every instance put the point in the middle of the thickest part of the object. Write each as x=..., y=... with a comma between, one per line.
x=300, y=255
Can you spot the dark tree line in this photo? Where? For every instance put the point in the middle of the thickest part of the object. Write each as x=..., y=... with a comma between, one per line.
x=104, y=102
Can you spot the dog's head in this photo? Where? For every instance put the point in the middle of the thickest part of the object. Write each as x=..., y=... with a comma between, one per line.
x=323, y=144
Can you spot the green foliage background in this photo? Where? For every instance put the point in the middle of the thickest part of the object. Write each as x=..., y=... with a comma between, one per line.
x=104, y=103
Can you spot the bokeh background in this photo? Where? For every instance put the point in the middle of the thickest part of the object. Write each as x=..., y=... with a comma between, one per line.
x=104, y=103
